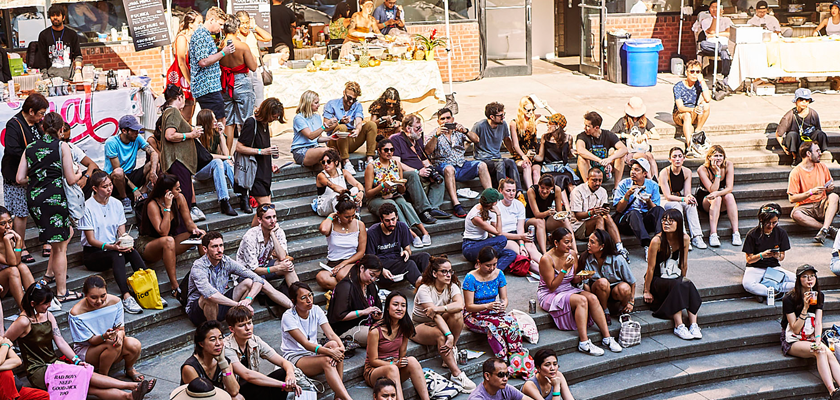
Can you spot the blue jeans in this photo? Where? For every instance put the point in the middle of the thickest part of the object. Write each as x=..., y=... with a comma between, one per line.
x=217, y=169
x=470, y=249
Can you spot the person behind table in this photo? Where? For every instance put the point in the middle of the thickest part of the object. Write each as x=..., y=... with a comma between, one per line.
x=220, y=168
x=121, y=151
x=245, y=350
x=713, y=37
x=763, y=19
x=59, y=53
x=387, y=112
x=103, y=226
x=637, y=204
x=594, y=146
x=514, y=222
x=179, y=72
x=264, y=251
x=9, y=361
x=484, y=220
x=178, y=153
x=675, y=185
x=447, y=148
x=255, y=140
x=238, y=93
x=251, y=33
x=545, y=199
x=523, y=140
x=347, y=115
x=334, y=181
x=717, y=178
x=417, y=168
x=636, y=130
x=548, y=382
x=591, y=207
x=338, y=26
x=495, y=385
x=14, y=274
x=389, y=17
x=666, y=288
x=612, y=282
x=205, y=72
x=208, y=360
x=355, y=304
x=765, y=247
x=209, y=295
x=831, y=23
x=346, y=241
x=309, y=129
x=283, y=22
x=97, y=324
x=692, y=103
x=488, y=136
x=390, y=241
x=811, y=190
x=799, y=125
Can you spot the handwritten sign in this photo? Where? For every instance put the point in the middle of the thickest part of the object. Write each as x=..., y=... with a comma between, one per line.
x=147, y=22
x=260, y=10
x=68, y=382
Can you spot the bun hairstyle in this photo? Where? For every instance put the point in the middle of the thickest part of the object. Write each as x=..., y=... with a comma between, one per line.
x=435, y=262
x=93, y=281
x=38, y=294
x=487, y=254
x=345, y=202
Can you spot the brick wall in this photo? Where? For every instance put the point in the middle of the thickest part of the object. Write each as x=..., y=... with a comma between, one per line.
x=658, y=26
x=466, y=49
x=123, y=56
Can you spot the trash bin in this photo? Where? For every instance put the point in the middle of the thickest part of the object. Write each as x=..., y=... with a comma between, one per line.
x=642, y=61
x=616, y=57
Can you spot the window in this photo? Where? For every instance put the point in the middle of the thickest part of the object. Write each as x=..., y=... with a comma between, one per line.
x=90, y=19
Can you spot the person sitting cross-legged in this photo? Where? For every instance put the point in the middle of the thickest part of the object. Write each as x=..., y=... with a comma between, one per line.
x=765, y=247
x=347, y=115
x=390, y=240
x=811, y=190
x=121, y=151
x=637, y=204
x=591, y=207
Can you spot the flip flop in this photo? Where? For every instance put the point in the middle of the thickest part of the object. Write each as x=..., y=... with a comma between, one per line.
x=136, y=377
x=69, y=296
x=45, y=252
x=142, y=389
x=27, y=258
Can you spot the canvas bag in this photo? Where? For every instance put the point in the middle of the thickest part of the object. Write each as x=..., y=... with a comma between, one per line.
x=630, y=333
x=68, y=381
x=245, y=167
x=526, y=325
x=75, y=195
x=439, y=387
x=144, y=283
x=773, y=278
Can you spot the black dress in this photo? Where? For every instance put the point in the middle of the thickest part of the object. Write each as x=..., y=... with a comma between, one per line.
x=255, y=135
x=46, y=199
x=671, y=296
x=554, y=156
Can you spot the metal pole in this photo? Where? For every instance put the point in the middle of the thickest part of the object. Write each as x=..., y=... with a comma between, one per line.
x=679, y=35
x=448, y=43
x=717, y=46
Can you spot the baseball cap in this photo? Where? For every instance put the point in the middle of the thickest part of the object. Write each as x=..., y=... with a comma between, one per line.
x=491, y=195
x=805, y=268
x=802, y=93
x=761, y=5
x=130, y=122
x=642, y=163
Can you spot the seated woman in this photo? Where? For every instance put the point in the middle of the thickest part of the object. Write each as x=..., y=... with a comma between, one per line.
x=97, y=324
x=548, y=383
x=800, y=123
x=514, y=221
x=300, y=345
x=9, y=361
x=220, y=169
x=666, y=289
x=553, y=157
x=437, y=315
x=102, y=227
x=338, y=28
x=543, y=201
x=14, y=275
x=523, y=139
x=208, y=360
x=483, y=313
x=635, y=130
x=355, y=303
x=802, y=327
x=675, y=184
x=35, y=332
x=570, y=307
x=483, y=220
x=308, y=127
x=333, y=181
x=387, y=112
x=346, y=242
x=612, y=282
x=386, y=350
x=765, y=247
x=717, y=179
x=166, y=225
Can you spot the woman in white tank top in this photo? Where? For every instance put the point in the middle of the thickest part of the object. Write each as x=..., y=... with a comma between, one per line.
x=332, y=181
x=832, y=23
x=346, y=241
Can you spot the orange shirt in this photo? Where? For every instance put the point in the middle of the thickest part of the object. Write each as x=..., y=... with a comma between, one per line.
x=801, y=181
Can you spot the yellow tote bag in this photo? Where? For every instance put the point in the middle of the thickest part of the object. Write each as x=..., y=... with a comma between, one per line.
x=145, y=285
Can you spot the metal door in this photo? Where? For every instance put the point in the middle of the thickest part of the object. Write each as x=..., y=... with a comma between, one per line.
x=592, y=15
x=506, y=37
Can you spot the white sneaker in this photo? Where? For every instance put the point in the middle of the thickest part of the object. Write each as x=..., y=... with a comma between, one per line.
x=164, y=302
x=714, y=240
x=130, y=306
x=698, y=242
x=464, y=382
x=196, y=214
x=695, y=331
x=427, y=240
x=417, y=242
x=736, y=239
x=589, y=348
x=612, y=345
x=55, y=305
x=683, y=333
x=348, y=166
x=467, y=193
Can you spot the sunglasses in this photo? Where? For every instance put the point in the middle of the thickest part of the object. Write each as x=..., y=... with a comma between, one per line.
x=387, y=149
x=530, y=109
x=350, y=99
x=325, y=162
x=502, y=115
x=504, y=374
x=266, y=207
x=694, y=71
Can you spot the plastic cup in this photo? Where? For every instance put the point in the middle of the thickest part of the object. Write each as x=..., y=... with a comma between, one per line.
x=813, y=300
x=87, y=87
x=831, y=343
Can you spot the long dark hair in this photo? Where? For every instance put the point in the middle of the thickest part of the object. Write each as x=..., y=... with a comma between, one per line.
x=486, y=254
x=605, y=240
x=665, y=246
x=797, y=292
x=388, y=101
x=342, y=10
x=428, y=277
x=206, y=120
x=406, y=327
x=268, y=108
x=201, y=333
x=165, y=182
x=35, y=293
x=345, y=202
x=189, y=18
x=559, y=135
x=368, y=261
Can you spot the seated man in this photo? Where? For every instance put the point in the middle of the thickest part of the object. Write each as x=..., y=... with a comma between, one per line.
x=408, y=150
x=811, y=190
x=594, y=147
x=388, y=16
x=244, y=349
x=209, y=295
x=262, y=249
x=488, y=135
x=447, y=147
x=801, y=123
x=767, y=21
x=390, y=240
x=348, y=113
x=637, y=203
x=121, y=150
x=692, y=103
x=713, y=33
x=591, y=206
x=495, y=385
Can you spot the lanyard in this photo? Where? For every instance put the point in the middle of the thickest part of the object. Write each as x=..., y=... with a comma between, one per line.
x=60, y=37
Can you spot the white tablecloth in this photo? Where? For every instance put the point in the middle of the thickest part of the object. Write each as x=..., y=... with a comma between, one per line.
x=413, y=79
x=751, y=60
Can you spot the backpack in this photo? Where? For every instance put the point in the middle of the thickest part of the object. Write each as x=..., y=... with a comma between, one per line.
x=184, y=287
x=32, y=59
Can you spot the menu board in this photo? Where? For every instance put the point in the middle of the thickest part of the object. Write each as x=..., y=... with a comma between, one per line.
x=147, y=22
x=260, y=10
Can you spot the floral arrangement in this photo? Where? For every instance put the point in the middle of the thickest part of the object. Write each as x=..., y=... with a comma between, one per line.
x=429, y=43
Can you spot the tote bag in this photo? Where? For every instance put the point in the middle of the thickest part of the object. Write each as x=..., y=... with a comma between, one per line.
x=145, y=285
x=245, y=167
x=67, y=381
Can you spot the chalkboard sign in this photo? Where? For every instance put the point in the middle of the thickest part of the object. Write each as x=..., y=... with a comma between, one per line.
x=147, y=22
x=260, y=10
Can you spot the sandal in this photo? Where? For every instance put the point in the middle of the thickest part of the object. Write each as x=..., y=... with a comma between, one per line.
x=47, y=280
x=142, y=389
x=69, y=296
x=45, y=251
x=136, y=376
x=27, y=258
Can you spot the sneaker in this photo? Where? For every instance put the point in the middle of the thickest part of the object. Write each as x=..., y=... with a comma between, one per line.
x=467, y=193
x=427, y=240
x=459, y=211
x=438, y=214
x=55, y=305
x=736, y=239
x=683, y=333
x=820, y=238
x=196, y=214
x=164, y=302
x=465, y=382
x=589, y=348
x=427, y=218
x=695, y=331
x=127, y=206
x=130, y=306
x=714, y=240
x=612, y=345
x=417, y=242
x=835, y=261
x=698, y=242
x=624, y=253
x=348, y=166
x=832, y=231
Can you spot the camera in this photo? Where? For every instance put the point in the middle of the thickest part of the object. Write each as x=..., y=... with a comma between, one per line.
x=435, y=176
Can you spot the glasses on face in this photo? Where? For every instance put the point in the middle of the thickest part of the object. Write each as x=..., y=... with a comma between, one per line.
x=529, y=110
x=445, y=271
x=668, y=221
x=502, y=115
x=503, y=374
x=326, y=161
x=694, y=71
x=387, y=149
x=350, y=99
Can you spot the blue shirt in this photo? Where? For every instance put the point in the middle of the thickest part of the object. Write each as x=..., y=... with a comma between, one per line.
x=484, y=292
x=688, y=95
x=126, y=154
x=383, y=14
x=335, y=109
x=207, y=79
x=651, y=187
x=300, y=122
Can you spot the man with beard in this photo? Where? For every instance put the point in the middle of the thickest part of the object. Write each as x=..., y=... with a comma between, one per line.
x=58, y=46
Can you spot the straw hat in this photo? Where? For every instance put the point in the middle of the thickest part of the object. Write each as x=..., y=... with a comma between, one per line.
x=635, y=107
x=199, y=388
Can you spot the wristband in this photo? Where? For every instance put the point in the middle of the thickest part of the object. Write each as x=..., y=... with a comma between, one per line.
x=392, y=363
x=223, y=53
x=556, y=394
x=760, y=256
x=447, y=334
x=316, y=348
x=185, y=137
x=249, y=298
x=103, y=246
x=324, y=128
x=227, y=373
x=5, y=344
x=357, y=313
x=268, y=270
x=259, y=152
x=521, y=244
x=103, y=337
x=383, y=185
x=135, y=189
x=282, y=385
x=167, y=209
x=817, y=336
x=564, y=271
x=18, y=250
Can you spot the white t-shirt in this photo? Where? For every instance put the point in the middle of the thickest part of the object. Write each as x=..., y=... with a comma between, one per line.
x=102, y=220
x=470, y=230
x=770, y=22
x=428, y=294
x=511, y=215
x=309, y=326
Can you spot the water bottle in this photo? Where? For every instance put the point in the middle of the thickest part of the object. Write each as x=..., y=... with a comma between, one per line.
x=771, y=296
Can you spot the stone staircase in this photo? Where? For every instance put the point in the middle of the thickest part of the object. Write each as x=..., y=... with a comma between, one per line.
x=662, y=367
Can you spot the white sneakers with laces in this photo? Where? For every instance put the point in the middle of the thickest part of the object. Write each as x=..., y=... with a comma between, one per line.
x=348, y=166
x=589, y=348
x=736, y=239
x=465, y=382
x=714, y=240
x=612, y=345
x=683, y=333
x=694, y=329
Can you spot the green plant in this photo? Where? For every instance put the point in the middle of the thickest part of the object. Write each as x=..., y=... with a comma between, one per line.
x=429, y=43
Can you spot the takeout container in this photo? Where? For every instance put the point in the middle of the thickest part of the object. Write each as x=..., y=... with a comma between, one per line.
x=342, y=135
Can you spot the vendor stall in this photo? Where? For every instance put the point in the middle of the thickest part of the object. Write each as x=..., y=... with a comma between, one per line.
x=785, y=57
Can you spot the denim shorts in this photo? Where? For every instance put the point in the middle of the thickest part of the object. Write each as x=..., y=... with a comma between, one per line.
x=299, y=153
x=467, y=172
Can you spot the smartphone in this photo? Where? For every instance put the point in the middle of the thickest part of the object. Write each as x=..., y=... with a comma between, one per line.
x=450, y=125
x=829, y=183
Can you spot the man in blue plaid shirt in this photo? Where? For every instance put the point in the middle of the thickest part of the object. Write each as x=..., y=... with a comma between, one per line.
x=205, y=73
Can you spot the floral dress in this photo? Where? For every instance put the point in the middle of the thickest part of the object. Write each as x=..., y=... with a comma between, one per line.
x=501, y=328
x=46, y=200
x=382, y=173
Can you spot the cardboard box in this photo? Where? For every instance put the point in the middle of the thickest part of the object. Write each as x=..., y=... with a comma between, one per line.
x=746, y=34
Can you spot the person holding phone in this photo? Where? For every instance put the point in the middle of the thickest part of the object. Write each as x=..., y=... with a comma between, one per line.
x=765, y=247
x=387, y=112
x=636, y=202
x=811, y=190
x=591, y=207
x=347, y=115
x=483, y=228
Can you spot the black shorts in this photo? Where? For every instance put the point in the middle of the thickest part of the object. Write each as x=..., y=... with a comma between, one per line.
x=196, y=314
x=213, y=101
x=136, y=177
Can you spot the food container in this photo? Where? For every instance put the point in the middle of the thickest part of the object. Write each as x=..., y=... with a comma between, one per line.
x=794, y=8
x=796, y=21
x=298, y=64
x=376, y=51
x=561, y=215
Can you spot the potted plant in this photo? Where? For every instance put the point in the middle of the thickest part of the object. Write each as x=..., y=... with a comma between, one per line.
x=428, y=44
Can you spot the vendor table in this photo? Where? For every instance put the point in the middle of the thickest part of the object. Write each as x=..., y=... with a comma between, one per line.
x=789, y=57
x=413, y=79
x=307, y=52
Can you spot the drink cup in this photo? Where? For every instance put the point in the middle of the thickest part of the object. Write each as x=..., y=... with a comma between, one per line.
x=87, y=87
x=813, y=300
x=275, y=152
